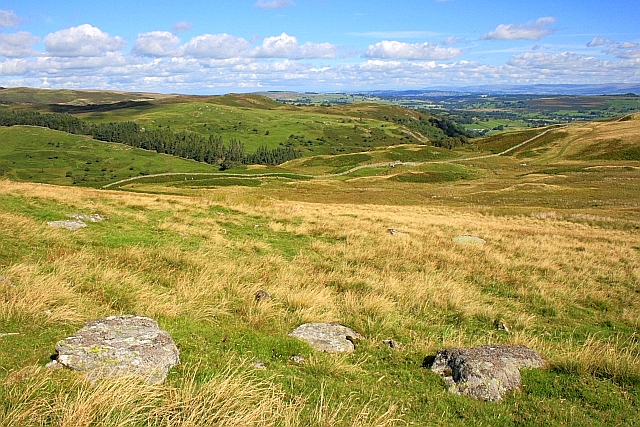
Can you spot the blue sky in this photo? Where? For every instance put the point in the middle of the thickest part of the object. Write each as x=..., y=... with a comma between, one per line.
x=214, y=47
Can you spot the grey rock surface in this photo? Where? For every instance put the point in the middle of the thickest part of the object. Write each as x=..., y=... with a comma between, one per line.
x=120, y=346
x=69, y=224
x=468, y=240
x=487, y=372
x=328, y=337
x=89, y=218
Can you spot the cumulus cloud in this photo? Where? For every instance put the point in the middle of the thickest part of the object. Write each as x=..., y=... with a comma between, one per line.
x=181, y=27
x=599, y=41
x=286, y=46
x=315, y=50
x=156, y=43
x=217, y=46
x=281, y=46
x=416, y=51
x=274, y=4
x=530, y=31
x=17, y=45
x=84, y=40
x=8, y=18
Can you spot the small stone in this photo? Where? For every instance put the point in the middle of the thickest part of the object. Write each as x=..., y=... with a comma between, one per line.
x=328, y=337
x=466, y=240
x=69, y=224
x=393, y=231
x=501, y=325
x=392, y=344
x=259, y=365
x=262, y=295
x=297, y=359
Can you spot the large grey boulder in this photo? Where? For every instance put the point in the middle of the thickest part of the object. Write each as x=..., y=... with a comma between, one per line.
x=118, y=346
x=487, y=372
x=328, y=337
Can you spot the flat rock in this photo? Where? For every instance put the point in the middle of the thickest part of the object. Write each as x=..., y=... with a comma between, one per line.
x=118, y=346
x=487, y=372
x=468, y=240
x=89, y=218
x=328, y=337
x=69, y=224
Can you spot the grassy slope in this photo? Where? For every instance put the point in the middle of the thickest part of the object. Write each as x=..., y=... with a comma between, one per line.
x=43, y=155
x=560, y=267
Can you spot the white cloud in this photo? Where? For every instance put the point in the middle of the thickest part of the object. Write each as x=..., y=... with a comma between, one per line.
x=84, y=40
x=217, y=46
x=156, y=43
x=417, y=51
x=274, y=4
x=630, y=54
x=281, y=46
x=627, y=45
x=181, y=27
x=315, y=50
x=8, y=18
x=599, y=41
x=18, y=44
x=530, y=31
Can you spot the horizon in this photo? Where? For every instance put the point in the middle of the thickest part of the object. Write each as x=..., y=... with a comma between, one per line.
x=316, y=45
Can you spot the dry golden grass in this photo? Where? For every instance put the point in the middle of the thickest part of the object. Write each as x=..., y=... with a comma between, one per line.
x=320, y=262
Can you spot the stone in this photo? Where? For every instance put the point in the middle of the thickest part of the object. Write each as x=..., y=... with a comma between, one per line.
x=69, y=224
x=392, y=344
x=89, y=218
x=258, y=364
x=501, y=325
x=467, y=240
x=393, y=231
x=487, y=372
x=297, y=359
x=262, y=295
x=118, y=346
x=328, y=337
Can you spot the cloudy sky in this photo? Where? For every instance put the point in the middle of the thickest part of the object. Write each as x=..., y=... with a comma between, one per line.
x=214, y=47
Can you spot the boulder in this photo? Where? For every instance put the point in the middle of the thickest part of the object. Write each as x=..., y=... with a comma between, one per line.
x=262, y=295
x=328, y=337
x=487, y=372
x=69, y=224
x=119, y=346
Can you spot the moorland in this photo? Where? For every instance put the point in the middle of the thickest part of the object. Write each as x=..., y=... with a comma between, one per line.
x=189, y=244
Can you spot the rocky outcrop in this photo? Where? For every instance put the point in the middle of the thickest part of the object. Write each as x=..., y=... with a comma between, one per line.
x=487, y=372
x=328, y=337
x=119, y=346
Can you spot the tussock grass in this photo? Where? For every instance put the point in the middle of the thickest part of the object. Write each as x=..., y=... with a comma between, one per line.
x=568, y=290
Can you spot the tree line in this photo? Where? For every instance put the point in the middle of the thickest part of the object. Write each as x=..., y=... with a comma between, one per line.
x=188, y=145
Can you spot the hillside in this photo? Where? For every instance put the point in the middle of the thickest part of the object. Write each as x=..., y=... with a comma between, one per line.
x=364, y=239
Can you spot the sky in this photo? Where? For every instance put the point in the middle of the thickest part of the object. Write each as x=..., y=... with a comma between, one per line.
x=216, y=47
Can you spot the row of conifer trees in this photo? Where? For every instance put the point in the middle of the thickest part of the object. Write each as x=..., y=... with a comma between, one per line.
x=188, y=145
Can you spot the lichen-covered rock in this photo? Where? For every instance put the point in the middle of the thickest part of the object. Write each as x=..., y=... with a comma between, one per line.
x=328, y=337
x=120, y=346
x=487, y=372
x=69, y=224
